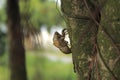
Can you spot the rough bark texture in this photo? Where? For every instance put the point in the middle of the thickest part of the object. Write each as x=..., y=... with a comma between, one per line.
x=16, y=47
x=83, y=34
x=83, y=18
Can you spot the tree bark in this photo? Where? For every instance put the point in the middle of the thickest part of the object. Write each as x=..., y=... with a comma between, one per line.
x=93, y=61
x=16, y=45
x=83, y=30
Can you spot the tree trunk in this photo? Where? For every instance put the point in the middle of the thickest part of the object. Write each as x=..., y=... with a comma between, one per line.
x=16, y=45
x=83, y=22
x=83, y=34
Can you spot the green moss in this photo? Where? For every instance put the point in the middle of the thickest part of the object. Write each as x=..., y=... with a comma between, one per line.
x=66, y=6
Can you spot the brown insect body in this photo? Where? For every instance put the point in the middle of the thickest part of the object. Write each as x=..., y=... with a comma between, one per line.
x=59, y=42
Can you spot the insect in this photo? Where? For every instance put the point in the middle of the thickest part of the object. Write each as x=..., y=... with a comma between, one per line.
x=60, y=42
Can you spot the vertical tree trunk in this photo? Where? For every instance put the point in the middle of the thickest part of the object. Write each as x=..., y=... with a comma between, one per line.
x=83, y=20
x=83, y=31
x=16, y=45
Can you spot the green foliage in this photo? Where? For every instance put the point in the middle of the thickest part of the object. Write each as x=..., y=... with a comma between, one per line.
x=4, y=70
x=2, y=15
x=42, y=13
x=40, y=67
x=2, y=12
x=2, y=43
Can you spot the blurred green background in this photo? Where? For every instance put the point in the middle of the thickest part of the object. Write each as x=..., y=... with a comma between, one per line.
x=45, y=65
x=43, y=60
